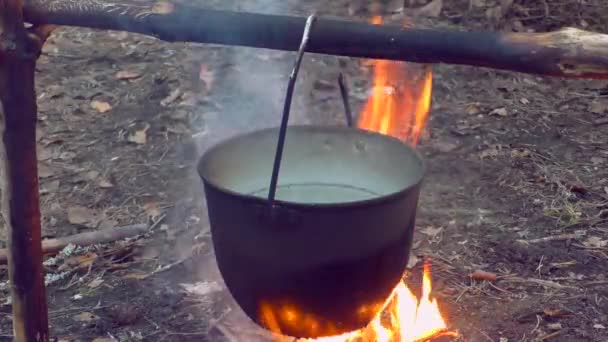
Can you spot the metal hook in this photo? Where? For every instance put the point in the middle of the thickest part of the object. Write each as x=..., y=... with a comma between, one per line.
x=286, y=108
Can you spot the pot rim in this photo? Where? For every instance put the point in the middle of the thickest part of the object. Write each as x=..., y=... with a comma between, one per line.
x=278, y=202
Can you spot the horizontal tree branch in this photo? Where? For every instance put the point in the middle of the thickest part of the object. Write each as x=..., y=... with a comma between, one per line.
x=566, y=53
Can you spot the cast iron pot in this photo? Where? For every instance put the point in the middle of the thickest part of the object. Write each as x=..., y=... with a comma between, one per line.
x=326, y=256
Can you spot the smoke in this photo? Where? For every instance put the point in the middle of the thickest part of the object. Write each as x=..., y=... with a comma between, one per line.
x=246, y=93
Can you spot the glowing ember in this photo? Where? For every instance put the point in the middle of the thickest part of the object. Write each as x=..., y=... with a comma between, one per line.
x=404, y=318
x=400, y=100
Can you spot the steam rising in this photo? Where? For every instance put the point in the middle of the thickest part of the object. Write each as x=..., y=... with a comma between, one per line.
x=247, y=94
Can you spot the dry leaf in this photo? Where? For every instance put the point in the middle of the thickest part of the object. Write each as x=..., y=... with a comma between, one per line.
x=431, y=231
x=81, y=215
x=127, y=75
x=104, y=339
x=92, y=175
x=173, y=96
x=43, y=153
x=554, y=326
x=598, y=326
x=202, y=288
x=473, y=108
x=189, y=99
x=598, y=107
x=152, y=209
x=67, y=155
x=50, y=187
x=492, y=151
x=101, y=106
x=139, y=137
x=138, y=276
x=524, y=101
x=520, y=153
x=595, y=242
x=45, y=171
x=206, y=75
x=499, y=111
x=79, y=261
x=554, y=313
x=412, y=261
x=105, y=184
x=163, y=7
x=85, y=317
x=107, y=224
x=95, y=283
x=432, y=9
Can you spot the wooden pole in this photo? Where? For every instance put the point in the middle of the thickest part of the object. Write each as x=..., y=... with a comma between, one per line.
x=565, y=53
x=20, y=201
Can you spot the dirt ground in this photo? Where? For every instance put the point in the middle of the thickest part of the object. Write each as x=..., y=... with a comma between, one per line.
x=517, y=179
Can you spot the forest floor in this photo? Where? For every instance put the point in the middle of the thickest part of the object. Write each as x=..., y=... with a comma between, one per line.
x=517, y=180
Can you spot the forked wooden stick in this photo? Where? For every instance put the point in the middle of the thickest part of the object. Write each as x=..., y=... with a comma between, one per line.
x=19, y=173
x=568, y=52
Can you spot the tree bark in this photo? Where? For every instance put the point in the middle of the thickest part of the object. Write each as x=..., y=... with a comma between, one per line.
x=20, y=201
x=566, y=53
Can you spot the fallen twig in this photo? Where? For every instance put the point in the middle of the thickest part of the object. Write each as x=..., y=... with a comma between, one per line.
x=52, y=246
x=544, y=283
x=560, y=237
x=596, y=283
x=483, y=275
x=551, y=335
x=600, y=122
x=166, y=267
x=157, y=222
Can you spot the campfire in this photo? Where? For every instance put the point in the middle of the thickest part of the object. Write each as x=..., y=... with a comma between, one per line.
x=404, y=318
x=400, y=100
x=398, y=106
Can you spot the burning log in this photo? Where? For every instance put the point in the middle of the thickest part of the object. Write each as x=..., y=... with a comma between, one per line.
x=568, y=52
x=20, y=198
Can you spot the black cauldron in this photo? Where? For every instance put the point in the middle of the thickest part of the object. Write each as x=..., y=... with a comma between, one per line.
x=324, y=257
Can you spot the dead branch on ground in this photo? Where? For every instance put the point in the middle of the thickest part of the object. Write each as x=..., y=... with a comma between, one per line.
x=52, y=246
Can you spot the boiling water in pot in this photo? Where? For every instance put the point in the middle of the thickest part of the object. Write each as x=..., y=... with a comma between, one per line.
x=319, y=193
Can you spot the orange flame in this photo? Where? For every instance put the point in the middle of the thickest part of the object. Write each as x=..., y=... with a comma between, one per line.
x=404, y=318
x=400, y=100
x=399, y=106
